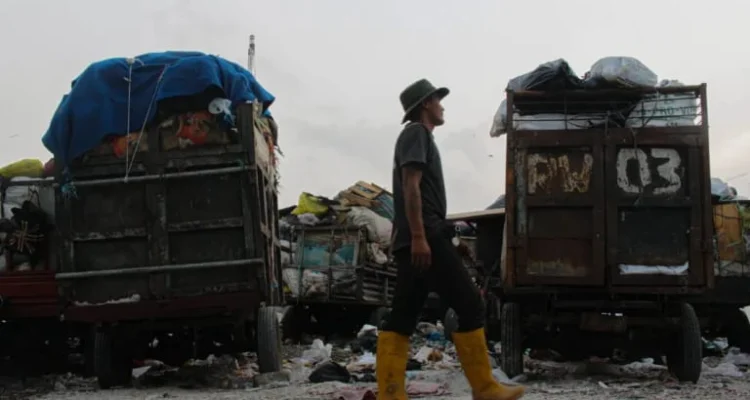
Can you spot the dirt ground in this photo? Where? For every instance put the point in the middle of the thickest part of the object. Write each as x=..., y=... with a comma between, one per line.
x=545, y=380
x=569, y=389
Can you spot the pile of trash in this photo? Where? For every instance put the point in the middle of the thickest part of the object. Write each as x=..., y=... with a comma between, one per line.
x=188, y=96
x=26, y=216
x=354, y=362
x=323, y=238
x=731, y=217
x=633, y=110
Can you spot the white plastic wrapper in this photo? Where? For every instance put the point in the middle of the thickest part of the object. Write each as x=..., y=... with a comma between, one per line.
x=664, y=110
x=542, y=122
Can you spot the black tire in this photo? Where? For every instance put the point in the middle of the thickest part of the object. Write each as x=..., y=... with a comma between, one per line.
x=511, y=355
x=111, y=363
x=269, y=340
x=494, y=311
x=685, y=360
x=379, y=317
x=450, y=324
x=738, y=327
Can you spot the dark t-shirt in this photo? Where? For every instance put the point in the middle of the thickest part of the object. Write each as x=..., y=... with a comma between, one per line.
x=416, y=147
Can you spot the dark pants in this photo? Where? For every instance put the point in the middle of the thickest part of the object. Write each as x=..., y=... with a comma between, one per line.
x=447, y=276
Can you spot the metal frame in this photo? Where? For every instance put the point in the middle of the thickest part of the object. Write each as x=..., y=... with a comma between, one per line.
x=363, y=288
x=602, y=199
x=152, y=169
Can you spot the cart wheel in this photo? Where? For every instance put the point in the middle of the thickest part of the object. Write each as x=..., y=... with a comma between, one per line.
x=269, y=339
x=686, y=356
x=379, y=317
x=111, y=363
x=511, y=355
x=738, y=330
x=450, y=324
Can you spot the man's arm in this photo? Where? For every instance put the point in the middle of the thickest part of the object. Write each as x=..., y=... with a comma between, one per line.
x=410, y=178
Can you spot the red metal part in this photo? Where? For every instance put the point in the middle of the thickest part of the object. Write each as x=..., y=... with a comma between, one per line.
x=29, y=295
x=192, y=307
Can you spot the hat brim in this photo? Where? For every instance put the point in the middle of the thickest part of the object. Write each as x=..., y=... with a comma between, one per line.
x=440, y=92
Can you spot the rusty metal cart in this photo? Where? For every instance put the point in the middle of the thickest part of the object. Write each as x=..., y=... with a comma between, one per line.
x=177, y=239
x=608, y=233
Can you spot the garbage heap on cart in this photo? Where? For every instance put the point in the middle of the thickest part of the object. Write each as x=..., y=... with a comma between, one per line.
x=337, y=249
x=26, y=216
x=731, y=230
x=651, y=110
x=155, y=157
x=617, y=99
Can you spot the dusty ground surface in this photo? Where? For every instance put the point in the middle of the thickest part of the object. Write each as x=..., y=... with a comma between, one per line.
x=722, y=379
x=434, y=374
x=711, y=388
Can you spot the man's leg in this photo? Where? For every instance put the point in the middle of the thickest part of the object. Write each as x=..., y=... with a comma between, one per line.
x=393, y=341
x=452, y=282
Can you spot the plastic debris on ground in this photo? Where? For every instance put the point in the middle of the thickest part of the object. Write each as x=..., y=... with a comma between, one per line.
x=318, y=352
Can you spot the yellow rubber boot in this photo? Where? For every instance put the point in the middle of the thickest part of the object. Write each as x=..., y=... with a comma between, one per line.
x=473, y=355
x=390, y=365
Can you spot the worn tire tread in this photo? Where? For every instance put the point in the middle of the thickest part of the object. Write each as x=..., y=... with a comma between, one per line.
x=689, y=353
x=269, y=340
x=511, y=355
x=110, y=369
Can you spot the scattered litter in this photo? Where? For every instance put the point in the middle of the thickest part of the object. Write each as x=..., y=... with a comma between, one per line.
x=365, y=363
x=724, y=369
x=318, y=352
x=367, y=330
x=330, y=371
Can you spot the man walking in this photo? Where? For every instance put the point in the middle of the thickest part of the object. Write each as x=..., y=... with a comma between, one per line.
x=427, y=259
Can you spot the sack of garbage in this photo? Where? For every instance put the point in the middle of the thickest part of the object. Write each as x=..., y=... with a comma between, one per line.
x=28, y=168
x=621, y=71
x=551, y=76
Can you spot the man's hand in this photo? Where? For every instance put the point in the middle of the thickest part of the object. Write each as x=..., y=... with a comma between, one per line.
x=464, y=250
x=421, y=255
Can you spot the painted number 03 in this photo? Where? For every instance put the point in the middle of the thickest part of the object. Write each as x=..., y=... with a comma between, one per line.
x=669, y=159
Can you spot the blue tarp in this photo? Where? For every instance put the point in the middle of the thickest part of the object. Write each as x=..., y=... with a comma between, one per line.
x=97, y=105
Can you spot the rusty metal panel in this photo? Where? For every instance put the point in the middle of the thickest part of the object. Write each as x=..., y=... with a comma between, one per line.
x=554, y=222
x=189, y=225
x=588, y=205
x=656, y=214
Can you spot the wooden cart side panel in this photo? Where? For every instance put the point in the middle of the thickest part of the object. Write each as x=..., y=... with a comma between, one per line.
x=171, y=221
x=658, y=192
x=558, y=210
x=510, y=236
x=707, y=245
x=685, y=212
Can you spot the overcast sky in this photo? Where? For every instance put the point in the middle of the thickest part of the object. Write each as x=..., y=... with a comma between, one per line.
x=338, y=66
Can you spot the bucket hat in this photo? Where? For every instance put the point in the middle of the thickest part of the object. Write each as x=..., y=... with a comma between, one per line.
x=418, y=92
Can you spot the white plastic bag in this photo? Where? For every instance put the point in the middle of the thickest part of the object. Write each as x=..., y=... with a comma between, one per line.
x=541, y=122
x=41, y=196
x=378, y=228
x=721, y=189
x=498, y=122
x=660, y=110
x=626, y=71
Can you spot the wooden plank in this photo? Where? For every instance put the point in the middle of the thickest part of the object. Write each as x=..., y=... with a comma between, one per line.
x=356, y=200
x=472, y=215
